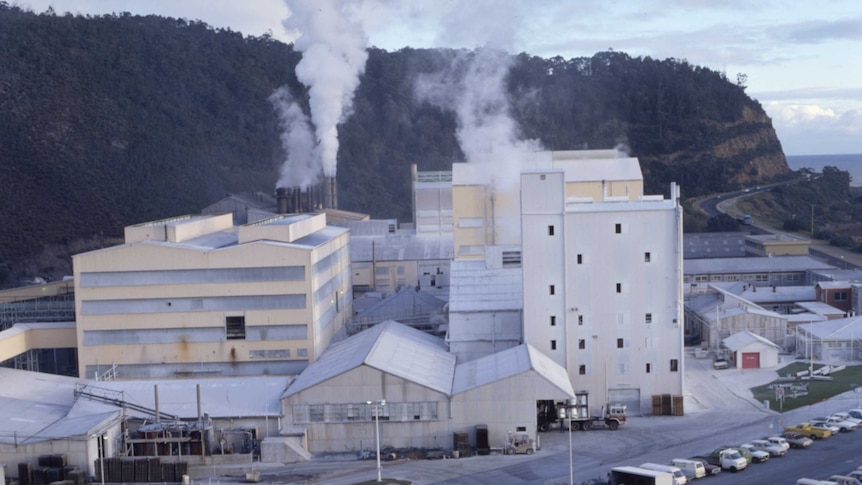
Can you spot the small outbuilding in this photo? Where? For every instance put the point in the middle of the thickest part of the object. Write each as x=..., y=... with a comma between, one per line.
x=751, y=351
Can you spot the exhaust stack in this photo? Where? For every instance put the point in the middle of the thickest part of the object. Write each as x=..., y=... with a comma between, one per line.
x=331, y=198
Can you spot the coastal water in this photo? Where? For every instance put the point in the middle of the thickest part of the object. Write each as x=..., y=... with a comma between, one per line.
x=848, y=163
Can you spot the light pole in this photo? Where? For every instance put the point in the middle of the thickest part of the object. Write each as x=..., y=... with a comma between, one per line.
x=377, y=407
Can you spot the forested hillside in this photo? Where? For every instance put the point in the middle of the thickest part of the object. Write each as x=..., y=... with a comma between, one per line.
x=114, y=120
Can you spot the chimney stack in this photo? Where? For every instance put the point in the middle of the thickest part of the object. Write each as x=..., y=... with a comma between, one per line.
x=331, y=189
x=282, y=198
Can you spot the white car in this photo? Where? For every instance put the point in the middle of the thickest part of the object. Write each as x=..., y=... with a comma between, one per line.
x=778, y=441
x=757, y=456
x=827, y=426
x=843, y=426
x=847, y=417
x=769, y=447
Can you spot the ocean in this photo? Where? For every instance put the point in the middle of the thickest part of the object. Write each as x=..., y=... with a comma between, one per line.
x=847, y=163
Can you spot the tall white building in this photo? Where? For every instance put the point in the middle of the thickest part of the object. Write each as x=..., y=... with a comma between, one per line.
x=602, y=273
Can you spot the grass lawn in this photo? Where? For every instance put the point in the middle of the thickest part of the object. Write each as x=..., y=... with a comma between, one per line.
x=841, y=382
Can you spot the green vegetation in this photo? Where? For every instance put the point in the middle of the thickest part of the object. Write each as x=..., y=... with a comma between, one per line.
x=843, y=381
x=112, y=120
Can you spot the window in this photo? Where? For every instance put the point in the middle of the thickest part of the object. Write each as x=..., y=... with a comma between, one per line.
x=674, y=365
x=582, y=344
x=580, y=319
x=580, y=259
x=646, y=257
x=553, y=345
x=550, y=230
x=553, y=320
x=648, y=368
x=582, y=370
x=618, y=228
x=841, y=296
x=648, y=318
x=620, y=343
x=551, y=289
x=234, y=328
x=619, y=287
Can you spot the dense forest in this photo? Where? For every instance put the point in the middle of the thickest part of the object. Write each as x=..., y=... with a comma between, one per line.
x=112, y=120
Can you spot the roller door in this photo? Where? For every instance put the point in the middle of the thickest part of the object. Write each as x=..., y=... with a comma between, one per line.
x=751, y=360
x=630, y=397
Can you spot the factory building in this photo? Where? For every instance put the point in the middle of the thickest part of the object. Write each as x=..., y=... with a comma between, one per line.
x=602, y=273
x=196, y=295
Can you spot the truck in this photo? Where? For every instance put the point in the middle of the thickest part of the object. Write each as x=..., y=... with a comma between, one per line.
x=575, y=413
x=632, y=475
x=727, y=458
x=806, y=429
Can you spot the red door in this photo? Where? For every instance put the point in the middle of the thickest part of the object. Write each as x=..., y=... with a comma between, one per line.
x=751, y=360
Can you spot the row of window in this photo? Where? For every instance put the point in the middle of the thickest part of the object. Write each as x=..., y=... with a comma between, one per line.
x=756, y=277
x=553, y=319
x=618, y=229
x=674, y=367
x=647, y=258
x=364, y=412
x=552, y=289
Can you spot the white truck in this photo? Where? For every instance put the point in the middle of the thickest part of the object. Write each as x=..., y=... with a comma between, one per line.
x=632, y=475
x=727, y=459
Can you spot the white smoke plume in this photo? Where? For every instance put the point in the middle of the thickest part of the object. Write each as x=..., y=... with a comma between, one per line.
x=474, y=87
x=302, y=168
x=333, y=58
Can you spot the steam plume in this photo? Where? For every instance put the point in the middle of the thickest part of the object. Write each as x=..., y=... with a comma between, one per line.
x=333, y=58
x=301, y=169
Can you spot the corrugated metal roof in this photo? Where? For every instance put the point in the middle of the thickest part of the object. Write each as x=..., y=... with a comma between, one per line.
x=407, y=301
x=508, y=363
x=834, y=285
x=819, y=308
x=767, y=294
x=741, y=339
x=389, y=347
x=840, y=329
x=222, y=397
x=763, y=264
x=473, y=287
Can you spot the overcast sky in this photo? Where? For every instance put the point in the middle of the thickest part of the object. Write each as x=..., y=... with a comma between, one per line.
x=803, y=58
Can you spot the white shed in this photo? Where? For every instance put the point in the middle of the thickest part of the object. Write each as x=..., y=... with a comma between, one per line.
x=751, y=351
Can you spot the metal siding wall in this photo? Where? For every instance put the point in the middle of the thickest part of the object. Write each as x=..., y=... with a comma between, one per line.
x=207, y=304
x=191, y=276
x=154, y=336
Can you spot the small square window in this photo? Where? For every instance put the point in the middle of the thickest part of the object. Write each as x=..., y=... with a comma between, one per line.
x=235, y=328
x=580, y=259
x=582, y=370
x=580, y=319
x=674, y=365
x=620, y=343
x=550, y=230
x=648, y=318
x=619, y=287
x=647, y=257
x=553, y=320
x=648, y=368
x=582, y=344
x=551, y=289
x=553, y=345
x=618, y=228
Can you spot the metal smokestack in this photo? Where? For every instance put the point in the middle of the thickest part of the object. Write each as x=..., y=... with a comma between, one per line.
x=331, y=188
x=282, y=198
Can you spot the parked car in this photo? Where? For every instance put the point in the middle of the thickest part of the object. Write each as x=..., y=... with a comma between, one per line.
x=779, y=441
x=710, y=468
x=796, y=440
x=847, y=417
x=769, y=447
x=843, y=424
x=855, y=413
x=757, y=456
x=825, y=426
x=809, y=430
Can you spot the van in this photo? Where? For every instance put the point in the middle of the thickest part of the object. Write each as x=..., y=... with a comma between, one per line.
x=679, y=477
x=813, y=481
x=692, y=468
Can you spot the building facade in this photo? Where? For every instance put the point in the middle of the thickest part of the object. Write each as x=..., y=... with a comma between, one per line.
x=602, y=273
x=196, y=295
